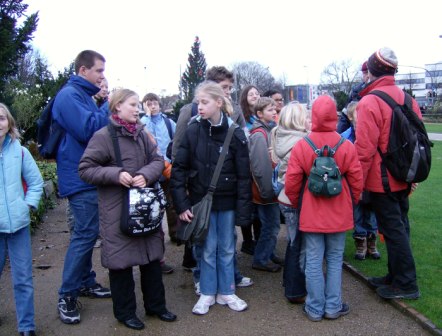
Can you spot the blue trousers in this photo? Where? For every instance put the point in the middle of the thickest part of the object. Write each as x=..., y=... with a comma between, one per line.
x=77, y=269
x=18, y=246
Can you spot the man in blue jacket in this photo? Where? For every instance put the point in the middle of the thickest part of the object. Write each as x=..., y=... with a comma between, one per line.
x=75, y=110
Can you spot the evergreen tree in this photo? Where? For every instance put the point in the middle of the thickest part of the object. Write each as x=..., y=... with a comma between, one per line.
x=195, y=72
x=14, y=40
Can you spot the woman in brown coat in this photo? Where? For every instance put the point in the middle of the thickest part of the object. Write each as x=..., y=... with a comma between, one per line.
x=119, y=253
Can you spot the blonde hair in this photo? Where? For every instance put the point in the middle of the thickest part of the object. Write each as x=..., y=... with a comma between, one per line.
x=293, y=117
x=262, y=103
x=13, y=130
x=351, y=108
x=215, y=90
x=118, y=97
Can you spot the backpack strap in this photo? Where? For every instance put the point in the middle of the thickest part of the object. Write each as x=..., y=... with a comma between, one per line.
x=312, y=145
x=168, y=125
x=392, y=103
x=23, y=181
x=260, y=130
x=334, y=149
x=330, y=150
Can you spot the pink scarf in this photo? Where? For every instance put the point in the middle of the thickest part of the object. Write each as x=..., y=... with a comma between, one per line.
x=131, y=127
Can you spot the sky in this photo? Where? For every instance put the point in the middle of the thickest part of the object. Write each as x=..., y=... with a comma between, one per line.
x=146, y=42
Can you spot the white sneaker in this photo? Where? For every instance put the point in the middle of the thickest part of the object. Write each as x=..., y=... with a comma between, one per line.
x=203, y=304
x=197, y=289
x=234, y=302
x=245, y=282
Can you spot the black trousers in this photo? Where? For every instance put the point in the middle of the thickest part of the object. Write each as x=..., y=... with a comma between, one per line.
x=253, y=230
x=123, y=290
x=392, y=216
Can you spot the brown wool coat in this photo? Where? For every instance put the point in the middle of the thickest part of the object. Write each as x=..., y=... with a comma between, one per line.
x=98, y=166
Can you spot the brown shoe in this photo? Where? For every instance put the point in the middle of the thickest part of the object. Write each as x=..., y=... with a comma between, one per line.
x=361, y=247
x=297, y=300
x=372, y=251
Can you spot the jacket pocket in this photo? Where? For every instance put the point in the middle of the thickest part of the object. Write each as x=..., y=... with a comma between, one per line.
x=227, y=184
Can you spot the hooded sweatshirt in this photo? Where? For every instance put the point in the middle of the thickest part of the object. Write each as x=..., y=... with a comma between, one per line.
x=322, y=214
x=283, y=141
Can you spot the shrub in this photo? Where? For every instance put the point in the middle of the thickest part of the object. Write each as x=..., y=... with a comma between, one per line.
x=48, y=172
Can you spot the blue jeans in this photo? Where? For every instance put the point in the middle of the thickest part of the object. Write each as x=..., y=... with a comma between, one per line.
x=197, y=251
x=269, y=216
x=18, y=246
x=77, y=269
x=324, y=295
x=293, y=277
x=217, y=274
x=365, y=221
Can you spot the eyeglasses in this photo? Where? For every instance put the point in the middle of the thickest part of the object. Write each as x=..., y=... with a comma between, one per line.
x=281, y=100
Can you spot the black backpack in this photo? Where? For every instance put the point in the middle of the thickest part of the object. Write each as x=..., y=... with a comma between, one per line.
x=408, y=155
x=49, y=132
x=325, y=178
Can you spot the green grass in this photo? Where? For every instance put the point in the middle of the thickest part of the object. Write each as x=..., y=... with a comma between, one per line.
x=433, y=127
x=426, y=239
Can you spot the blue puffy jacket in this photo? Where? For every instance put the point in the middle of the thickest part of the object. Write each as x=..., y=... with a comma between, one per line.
x=75, y=110
x=16, y=162
x=156, y=125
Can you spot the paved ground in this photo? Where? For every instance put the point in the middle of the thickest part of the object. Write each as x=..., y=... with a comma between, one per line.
x=268, y=313
x=435, y=136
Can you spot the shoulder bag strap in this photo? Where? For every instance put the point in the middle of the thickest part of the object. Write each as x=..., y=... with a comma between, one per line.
x=116, y=145
x=221, y=158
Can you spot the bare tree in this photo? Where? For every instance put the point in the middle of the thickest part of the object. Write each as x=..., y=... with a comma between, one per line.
x=409, y=81
x=253, y=73
x=340, y=76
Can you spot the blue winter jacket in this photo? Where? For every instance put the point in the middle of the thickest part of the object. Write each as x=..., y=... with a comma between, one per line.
x=16, y=162
x=156, y=125
x=349, y=134
x=75, y=110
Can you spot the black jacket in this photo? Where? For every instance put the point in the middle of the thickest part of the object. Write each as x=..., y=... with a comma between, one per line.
x=195, y=163
x=343, y=122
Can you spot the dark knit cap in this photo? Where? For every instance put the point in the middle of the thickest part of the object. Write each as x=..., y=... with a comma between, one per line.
x=382, y=62
x=364, y=67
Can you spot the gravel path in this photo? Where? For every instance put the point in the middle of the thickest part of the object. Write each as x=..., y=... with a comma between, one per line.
x=268, y=313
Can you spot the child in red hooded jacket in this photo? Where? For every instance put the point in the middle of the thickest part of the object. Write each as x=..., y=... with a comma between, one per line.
x=324, y=220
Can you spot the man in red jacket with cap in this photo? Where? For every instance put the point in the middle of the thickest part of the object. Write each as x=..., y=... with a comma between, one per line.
x=391, y=208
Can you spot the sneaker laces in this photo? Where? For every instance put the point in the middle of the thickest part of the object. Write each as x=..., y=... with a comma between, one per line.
x=72, y=304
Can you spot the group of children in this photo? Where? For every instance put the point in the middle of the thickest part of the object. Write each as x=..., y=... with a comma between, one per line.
x=243, y=195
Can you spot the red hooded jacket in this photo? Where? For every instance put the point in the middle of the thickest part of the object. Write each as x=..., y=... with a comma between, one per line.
x=373, y=129
x=322, y=214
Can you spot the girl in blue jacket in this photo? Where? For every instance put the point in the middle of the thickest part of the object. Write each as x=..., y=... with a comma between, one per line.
x=17, y=166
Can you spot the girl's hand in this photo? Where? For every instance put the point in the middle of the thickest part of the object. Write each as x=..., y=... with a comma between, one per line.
x=186, y=216
x=125, y=179
x=139, y=181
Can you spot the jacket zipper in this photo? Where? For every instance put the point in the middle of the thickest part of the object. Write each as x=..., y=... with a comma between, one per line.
x=4, y=188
